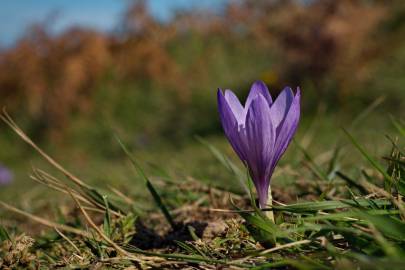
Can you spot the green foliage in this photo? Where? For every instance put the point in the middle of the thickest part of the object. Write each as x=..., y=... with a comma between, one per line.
x=360, y=225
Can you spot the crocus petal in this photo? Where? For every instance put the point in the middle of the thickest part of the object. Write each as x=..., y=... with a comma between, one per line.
x=258, y=88
x=281, y=106
x=235, y=106
x=261, y=131
x=287, y=129
x=261, y=137
x=230, y=125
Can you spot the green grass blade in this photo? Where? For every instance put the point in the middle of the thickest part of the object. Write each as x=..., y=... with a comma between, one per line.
x=374, y=163
x=4, y=234
x=149, y=186
x=352, y=182
x=187, y=258
x=95, y=195
x=306, y=207
x=333, y=163
x=190, y=249
x=226, y=162
x=313, y=166
x=107, y=218
x=399, y=126
x=389, y=226
x=367, y=111
x=346, y=215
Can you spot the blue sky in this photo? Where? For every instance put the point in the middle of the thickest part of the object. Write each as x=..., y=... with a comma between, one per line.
x=103, y=15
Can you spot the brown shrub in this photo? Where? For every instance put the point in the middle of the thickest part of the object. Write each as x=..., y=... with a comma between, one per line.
x=51, y=77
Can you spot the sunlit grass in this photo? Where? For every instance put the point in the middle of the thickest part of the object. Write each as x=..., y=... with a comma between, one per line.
x=346, y=215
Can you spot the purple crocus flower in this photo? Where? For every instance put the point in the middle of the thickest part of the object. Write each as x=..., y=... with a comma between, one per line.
x=260, y=131
x=6, y=175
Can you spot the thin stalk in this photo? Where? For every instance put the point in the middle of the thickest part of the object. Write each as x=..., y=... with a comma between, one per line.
x=270, y=213
x=45, y=222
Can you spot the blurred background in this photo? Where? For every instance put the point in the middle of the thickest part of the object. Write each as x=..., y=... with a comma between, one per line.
x=73, y=74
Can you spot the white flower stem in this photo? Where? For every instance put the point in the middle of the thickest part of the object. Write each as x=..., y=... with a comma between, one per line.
x=270, y=214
